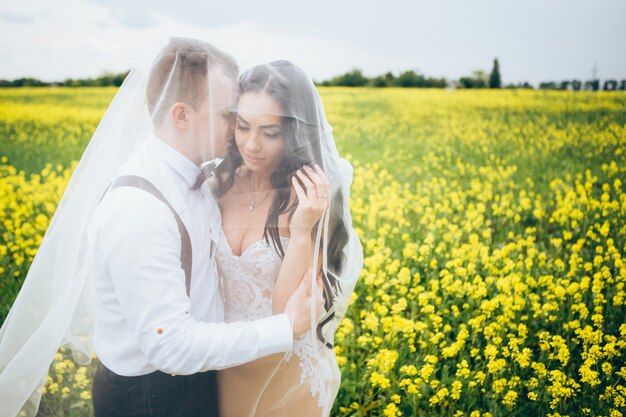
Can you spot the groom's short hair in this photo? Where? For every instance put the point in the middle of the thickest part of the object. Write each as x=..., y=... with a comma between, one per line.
x=180, y=74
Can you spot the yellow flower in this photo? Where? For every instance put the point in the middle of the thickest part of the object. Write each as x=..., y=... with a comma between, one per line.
x=438, y=397
x=391, y=410
x=510, y=399
x=457, y=387
x=377, y=379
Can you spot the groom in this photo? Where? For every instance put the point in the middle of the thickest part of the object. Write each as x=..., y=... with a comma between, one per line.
x=159, y=331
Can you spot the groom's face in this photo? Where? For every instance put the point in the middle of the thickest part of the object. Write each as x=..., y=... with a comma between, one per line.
x=213, y=122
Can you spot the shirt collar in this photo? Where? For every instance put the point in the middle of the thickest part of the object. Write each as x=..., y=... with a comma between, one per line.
x=179, y=162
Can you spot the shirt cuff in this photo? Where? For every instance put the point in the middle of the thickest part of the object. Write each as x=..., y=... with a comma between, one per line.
x=275, y=334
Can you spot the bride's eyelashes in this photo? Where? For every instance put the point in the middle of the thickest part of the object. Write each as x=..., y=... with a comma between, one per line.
x=246, y=128
x=272, y=135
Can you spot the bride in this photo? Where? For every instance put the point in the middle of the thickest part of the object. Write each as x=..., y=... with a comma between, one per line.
x=283, y=191
x=146, y=274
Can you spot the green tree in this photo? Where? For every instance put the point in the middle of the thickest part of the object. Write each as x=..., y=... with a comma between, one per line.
x=610, y=85
x=495, y=81
x=390, y=78
x=354, y=78
x=592, y=85
x=477, y=80
x=548, y=85
x=410, y=79
x=379, y=81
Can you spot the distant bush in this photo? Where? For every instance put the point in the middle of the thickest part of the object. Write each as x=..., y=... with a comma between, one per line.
x=410, y=78
x=105, y=80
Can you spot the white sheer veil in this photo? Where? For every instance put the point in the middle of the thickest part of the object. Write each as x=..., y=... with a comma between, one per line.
x=51, y=309
x=308, y=140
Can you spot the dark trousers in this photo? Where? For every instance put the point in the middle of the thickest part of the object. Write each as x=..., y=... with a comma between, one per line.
x=154, y=395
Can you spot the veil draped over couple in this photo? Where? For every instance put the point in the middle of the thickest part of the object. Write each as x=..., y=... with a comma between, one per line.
x=203, y=253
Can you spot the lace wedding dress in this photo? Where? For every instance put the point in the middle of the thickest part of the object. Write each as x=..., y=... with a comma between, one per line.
x=303, y=382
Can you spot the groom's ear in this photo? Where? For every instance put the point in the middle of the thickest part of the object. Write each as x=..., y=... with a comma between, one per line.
x=179, y=112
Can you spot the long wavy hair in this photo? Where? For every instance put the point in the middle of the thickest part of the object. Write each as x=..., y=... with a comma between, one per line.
x=303, y=135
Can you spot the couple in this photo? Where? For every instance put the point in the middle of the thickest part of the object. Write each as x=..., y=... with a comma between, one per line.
x=203, y=250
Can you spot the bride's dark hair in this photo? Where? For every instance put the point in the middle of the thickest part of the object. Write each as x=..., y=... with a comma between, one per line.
x=303, y=133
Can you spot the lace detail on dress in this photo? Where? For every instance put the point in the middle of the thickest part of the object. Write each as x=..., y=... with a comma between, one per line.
x=247, y=280
x=319, y=366
x=247, y=286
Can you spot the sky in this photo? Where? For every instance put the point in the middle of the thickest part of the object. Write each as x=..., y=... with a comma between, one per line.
x=534, y=40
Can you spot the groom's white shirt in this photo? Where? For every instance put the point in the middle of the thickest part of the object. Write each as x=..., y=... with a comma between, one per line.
x=144, y=320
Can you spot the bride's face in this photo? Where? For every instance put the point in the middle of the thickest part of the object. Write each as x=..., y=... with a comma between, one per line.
x=258, y=132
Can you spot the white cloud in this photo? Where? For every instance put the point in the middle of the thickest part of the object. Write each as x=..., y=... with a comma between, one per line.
x=16, y=18
x=534, y=41
x=86, y=39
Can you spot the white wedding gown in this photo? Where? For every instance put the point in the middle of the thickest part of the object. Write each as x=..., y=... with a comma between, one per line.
x=303, y=382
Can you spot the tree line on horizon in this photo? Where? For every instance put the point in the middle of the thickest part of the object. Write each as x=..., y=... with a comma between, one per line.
x=478, y=79
x=105, y=80
x=356, y=78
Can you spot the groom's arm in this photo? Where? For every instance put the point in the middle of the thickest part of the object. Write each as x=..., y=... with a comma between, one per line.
x=140, y=244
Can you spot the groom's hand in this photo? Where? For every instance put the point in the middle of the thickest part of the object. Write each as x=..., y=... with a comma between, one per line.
x=298, y=306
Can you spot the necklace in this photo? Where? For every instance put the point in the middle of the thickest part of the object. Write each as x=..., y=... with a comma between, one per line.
x=252, y=205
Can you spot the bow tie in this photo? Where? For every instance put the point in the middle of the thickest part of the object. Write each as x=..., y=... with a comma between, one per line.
x=206, y=170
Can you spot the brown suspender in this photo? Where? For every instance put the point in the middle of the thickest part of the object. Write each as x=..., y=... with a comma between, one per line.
x=185, y=241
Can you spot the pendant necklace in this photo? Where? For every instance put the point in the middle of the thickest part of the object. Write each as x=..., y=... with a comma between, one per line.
x=254, y=204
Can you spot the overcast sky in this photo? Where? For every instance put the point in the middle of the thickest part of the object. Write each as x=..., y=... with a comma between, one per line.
x=534, y=40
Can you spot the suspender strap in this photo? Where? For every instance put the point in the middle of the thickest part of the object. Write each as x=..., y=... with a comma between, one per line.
x=185, y=241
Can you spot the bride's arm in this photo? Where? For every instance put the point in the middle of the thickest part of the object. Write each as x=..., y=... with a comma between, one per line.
x=298, y=258
x=312, y=201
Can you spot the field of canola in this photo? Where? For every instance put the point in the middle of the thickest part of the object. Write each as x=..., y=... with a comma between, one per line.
x=494, y=231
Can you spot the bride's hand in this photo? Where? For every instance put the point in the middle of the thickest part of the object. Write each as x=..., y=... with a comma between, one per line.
x=313, y=199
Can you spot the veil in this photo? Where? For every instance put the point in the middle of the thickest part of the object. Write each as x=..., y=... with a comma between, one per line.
x=310, y=371
x=184, y=95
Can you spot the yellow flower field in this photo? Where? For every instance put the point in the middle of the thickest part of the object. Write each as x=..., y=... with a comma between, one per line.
x=494, y=231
